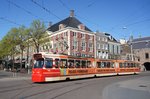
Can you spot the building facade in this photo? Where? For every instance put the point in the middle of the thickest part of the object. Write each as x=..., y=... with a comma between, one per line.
x=141, y=49
x=71, y=37
x=101, y=46
x=113, y=47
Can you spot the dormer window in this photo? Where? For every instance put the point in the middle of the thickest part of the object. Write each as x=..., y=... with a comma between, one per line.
x=110, y=37
x=81, y=27
x=61, y=26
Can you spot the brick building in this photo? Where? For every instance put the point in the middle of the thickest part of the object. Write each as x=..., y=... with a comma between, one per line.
x=72, y=37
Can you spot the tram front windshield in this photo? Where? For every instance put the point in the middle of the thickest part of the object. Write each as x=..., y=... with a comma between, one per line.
x=39, y=63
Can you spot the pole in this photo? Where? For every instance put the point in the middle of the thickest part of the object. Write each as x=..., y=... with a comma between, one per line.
x=131, y=39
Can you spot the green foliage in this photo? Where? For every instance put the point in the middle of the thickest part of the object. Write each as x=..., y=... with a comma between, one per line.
x=17, y=39
x=38, y=33
x=8, y=43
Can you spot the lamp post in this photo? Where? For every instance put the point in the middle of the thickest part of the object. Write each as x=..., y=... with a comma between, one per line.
x=131, y=47
x=131, y=52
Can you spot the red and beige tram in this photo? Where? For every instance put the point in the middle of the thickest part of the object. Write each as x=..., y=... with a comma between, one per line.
x=55, y=67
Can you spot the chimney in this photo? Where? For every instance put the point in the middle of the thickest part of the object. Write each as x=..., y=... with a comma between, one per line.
x=50, y=24
x=71, y=13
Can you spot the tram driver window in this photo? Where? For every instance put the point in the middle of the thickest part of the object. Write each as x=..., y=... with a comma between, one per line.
x=39, y=63
x=48, y=63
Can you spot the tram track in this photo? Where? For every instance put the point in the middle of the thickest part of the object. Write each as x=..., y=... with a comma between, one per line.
x=54, y=89
x=12, y=88
x=77, y=86
x=41, y=84
x=72, y=87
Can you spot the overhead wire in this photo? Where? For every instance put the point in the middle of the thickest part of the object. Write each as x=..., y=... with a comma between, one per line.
x=77, y=14
x=91, y=3
x=128, y=18
x=146, y=20
x=45, y=9
x=10, y=21
x=64, y=4
x=27, y=11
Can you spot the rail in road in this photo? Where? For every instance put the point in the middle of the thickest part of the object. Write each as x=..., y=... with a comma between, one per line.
x=77, y=89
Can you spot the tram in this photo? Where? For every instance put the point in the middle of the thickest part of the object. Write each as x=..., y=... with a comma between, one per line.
x=55, y=67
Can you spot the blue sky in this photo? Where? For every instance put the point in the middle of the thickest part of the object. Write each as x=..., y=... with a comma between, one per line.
x=120, y=18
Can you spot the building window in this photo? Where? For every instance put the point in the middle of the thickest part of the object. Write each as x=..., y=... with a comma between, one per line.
x=99, y=38
x=83, y=45
x=74, y=34
x=146, y=56
x=75, y=44
x=98, y=46
x=91, y=47
x=61, y=26
x=65, y=34
x=90, y=37
x=105, y=39
x=82, y=35
x=83, y=55
x=103, y=46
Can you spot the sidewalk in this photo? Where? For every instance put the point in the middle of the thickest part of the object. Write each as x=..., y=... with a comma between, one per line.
x=138, y=88
x=5, y=75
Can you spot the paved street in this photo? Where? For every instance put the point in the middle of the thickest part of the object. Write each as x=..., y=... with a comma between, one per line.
x=116, y=87
x=13, y=76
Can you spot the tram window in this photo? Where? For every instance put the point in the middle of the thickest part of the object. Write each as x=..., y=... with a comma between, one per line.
x=105, y=64
x=120, y=65
x=89, y=64
x=129, y=65
x=63, y=63
x=112, y=65
x=57, y=63
x=71, y=63
x=99, y=64
x=125, y=65
x=48, y=63
x=134, y=64
x=83, y=64
x=108, y=64
x=102, y=64
x=77, y=64
x=39, y=63
x=138, y=65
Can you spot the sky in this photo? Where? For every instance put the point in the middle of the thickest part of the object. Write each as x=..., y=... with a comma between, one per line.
x=120, y=18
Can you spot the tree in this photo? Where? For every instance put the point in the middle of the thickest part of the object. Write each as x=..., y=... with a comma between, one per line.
x=22, y=40
x=8, y=44
x=38, y=33
x=14, y=43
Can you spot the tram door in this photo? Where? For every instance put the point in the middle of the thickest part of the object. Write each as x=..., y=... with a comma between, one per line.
x=117, y=67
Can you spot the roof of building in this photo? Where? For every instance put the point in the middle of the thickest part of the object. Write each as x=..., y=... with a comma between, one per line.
x=110, y=38
x=141, y=39
x=141, y=43
x=68, y=22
